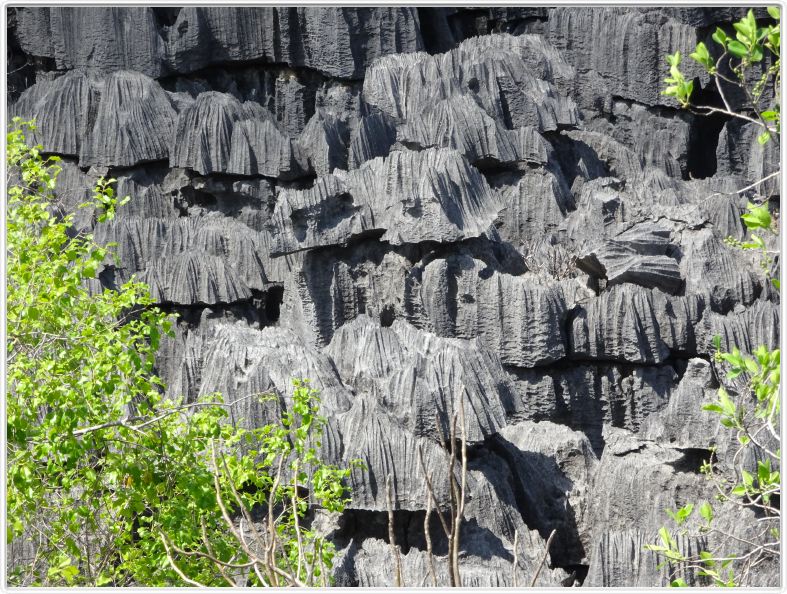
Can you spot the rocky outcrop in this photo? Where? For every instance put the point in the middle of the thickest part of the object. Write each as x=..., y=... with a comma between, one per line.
x=636, y=255
x=339, y=42
x=427, y=210
x=423, y=380
x=433, y=195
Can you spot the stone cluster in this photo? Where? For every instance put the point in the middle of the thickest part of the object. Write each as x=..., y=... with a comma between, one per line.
x=413, y=206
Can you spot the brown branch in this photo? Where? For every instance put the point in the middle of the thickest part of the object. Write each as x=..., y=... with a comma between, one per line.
x=428, y=537
x=543, y=559
x=220, y=565
x=391, y=532
x=175, y=567
x=225, y=514
x=271, y=548
x=515, y=564
x=294, y=501
x=430, y=491
x=457, y=521
x=125, y=422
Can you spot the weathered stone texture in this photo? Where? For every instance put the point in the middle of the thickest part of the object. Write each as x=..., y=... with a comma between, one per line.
x=422, y=210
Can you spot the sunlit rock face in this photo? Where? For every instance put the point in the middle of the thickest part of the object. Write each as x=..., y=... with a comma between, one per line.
x=428, y=210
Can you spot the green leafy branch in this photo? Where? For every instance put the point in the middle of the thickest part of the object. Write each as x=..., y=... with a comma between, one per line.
x=111, y=483
x=747, y=49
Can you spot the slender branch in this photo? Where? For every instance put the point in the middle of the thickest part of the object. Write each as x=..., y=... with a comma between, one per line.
x=515, y=564
x=430, y=491
x=755, y=105
x=392, y=532
x=294, y=503
x=718, y=79
x=428, y=537
x=247, y=516
x=454, y=492
x=271, y=549
x=125, y=422
x=543, y=559
x=210, y=557
x=457, y=521
x=225, y=514
x=220, y=565
x=709, y=109
x=246, y=546
x=175, y=567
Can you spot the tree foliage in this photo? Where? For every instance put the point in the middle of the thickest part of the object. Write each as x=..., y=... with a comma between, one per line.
x=109, y=482
x=736, y=68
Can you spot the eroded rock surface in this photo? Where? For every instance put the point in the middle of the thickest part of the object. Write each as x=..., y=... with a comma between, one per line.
x=428, y=210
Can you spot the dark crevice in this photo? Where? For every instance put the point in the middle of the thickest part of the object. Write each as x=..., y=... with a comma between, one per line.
x=116, y=171
x=20, y=68
x=692, y=459
x=273, y=300
x=194, y=314
x=360, y=524
x=704, y=134
x=387, y=316
x=435, y=30
x=373, y=235
x=166, y=15
x=576, y=575
x=260, y=310
x=229, y=67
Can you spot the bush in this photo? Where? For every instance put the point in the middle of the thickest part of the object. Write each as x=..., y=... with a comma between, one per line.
x=110, y=483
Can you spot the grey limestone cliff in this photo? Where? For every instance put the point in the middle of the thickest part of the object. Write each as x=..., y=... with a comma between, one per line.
x=413, y=206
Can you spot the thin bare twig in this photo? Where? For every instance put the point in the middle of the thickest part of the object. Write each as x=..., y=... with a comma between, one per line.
x=294, y=502
x=125, y=422
x=543, y=559
x=460, y=507
x=220, y=565
x=428, y=537
x=430, y=491
x=391, y=532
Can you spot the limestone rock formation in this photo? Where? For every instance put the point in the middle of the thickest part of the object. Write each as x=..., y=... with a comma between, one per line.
x=433, y=195
x=636, y=255
x=424, y=210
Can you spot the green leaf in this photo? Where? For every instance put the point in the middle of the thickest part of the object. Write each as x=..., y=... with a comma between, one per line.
x=737, y=49
x=764, y=137
x=717, y=342
x=720, y=37
x=758, y=217
x=764, y=472
x=673, y=59
x=774, y=12
x=683, y=513
x=706, y=511
x=738, y=491
x=665, y=537
x=702, y=55
x=707, y=559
